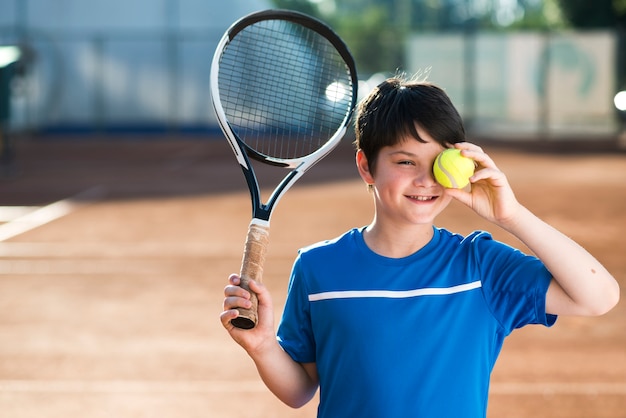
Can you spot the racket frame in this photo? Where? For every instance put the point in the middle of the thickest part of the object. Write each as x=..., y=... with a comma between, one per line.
x=258, y=232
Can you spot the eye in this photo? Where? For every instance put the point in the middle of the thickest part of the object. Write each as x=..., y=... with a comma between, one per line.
x=406, y=162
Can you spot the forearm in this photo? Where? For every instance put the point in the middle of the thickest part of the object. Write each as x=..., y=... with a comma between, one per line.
x=287, y=379
x=292, y=382
x=587, y=287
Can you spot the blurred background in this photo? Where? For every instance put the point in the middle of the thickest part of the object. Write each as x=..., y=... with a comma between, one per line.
x=516, y=69
x=122, y=210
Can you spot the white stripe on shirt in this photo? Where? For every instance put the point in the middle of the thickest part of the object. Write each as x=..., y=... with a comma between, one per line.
x=394, y=294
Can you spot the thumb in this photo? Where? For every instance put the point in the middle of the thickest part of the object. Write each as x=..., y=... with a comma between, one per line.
x=265, y=307
x=460, y=195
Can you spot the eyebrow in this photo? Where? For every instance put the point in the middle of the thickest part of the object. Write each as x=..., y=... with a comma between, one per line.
x=407, y=153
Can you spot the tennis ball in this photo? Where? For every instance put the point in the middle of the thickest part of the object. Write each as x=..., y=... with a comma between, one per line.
x=452, y=170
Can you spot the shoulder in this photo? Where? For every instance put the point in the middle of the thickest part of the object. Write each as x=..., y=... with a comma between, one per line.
x=321, y=248
x=477, y=248
x=330, y=255
x=474, y=239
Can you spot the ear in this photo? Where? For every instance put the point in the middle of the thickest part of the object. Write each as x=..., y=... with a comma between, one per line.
x=363, y=166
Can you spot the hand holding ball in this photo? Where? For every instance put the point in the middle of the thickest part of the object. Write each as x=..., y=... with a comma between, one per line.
x=452, y=170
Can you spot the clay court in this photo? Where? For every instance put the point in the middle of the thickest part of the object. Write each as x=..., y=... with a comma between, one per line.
x=114, y=254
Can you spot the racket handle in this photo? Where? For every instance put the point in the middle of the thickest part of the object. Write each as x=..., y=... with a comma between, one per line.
x=252, y=269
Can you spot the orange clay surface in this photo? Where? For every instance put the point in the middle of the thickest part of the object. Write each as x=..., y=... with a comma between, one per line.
x=111, y=310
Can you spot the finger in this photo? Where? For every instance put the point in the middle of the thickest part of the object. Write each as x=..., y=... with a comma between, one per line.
x=255, y=286
x=495, y=176
x=234, y=279
x=460, y=195
x=266, y=310
x=476, y=153
x=260, y=290
x=468, y=146
x=482, y=159
x=234, y=302
x=227, y=316
x=233, y=290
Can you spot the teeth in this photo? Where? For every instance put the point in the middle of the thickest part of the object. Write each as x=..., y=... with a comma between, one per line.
x=422, y=198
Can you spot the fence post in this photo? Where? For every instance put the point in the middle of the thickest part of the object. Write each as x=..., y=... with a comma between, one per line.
x=544, y=86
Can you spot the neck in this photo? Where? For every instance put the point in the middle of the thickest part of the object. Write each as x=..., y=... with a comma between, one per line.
x=397, y=242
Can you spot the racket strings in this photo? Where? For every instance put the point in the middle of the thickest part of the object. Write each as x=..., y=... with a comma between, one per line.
x=285, y=89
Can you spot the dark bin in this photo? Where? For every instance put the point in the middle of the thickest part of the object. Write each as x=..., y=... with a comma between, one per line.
x=9, y=57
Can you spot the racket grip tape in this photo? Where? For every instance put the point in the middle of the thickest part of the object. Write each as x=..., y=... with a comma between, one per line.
x=252, y=269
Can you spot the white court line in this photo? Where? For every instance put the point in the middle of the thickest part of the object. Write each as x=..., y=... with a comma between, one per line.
x=256, y=386
x=47, y=214
x=10, y=213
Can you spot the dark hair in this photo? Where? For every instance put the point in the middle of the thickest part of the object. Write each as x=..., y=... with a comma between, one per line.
x=393, y=109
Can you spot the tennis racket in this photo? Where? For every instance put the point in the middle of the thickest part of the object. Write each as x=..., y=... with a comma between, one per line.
x=284, y=87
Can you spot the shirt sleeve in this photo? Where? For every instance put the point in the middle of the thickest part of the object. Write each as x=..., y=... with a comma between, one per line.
x=295, y=333
x=514, y=284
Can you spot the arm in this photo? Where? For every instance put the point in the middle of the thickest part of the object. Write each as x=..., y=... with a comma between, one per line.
x=581, y=285
x=292, y=382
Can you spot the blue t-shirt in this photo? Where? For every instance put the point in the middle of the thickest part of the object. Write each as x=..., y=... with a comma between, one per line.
x=409, y=337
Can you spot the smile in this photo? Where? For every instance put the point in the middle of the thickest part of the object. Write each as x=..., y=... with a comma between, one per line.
x=422, y=198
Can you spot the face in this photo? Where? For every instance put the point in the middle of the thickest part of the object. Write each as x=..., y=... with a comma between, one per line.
x=405, y=190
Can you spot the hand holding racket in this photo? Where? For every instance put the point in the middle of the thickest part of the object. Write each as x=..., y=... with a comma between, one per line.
x=284, y=87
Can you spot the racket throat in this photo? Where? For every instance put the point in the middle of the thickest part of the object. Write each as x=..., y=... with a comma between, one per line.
x=262, y=212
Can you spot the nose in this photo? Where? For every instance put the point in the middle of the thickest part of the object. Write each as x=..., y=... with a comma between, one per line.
x=425, y=177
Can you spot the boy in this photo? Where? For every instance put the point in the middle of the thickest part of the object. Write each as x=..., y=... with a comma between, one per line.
x=401, y=318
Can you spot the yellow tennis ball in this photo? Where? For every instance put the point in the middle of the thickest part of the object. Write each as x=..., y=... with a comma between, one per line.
x=452, y=170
